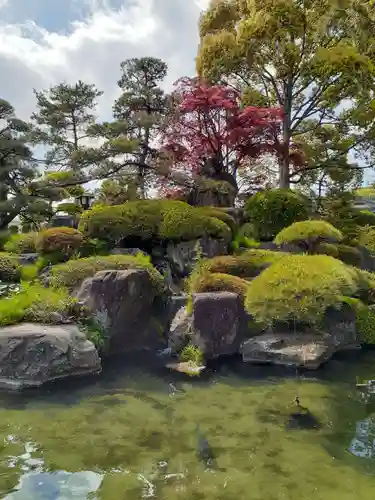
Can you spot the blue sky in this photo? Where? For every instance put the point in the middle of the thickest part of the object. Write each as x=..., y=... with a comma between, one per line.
x=44, y=42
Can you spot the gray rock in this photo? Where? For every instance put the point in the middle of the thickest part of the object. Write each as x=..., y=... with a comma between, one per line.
x=28, y=258
x=180, y=331
x=32, y=354
x=122, y=303
x=182, y=256
x=217, y=323
x=307, y=350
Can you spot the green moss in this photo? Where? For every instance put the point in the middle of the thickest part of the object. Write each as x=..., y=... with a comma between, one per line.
x=10, y=269
x=364, y=218
x=246, y=265
x=300, y=288
x=35, y=303
x=270, y=211
x=151, y=219
x=72, y=273
x=309, y=234
x=192, y=354
x=21, y=243
x=59, y=241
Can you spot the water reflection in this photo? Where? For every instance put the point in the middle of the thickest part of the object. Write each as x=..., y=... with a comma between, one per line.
x=37, y=484
x=363, y=443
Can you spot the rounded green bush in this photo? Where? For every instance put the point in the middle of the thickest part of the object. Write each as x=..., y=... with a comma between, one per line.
x=246, y=265
x=364, y=218
x=219, y=282
x=327, y=249
x=300, y=288
x=308, y=234
x=218, y=214
x=72, y=273
x=10, y=269
x=366, y=238
x=270, y=211
x=151, y=219
x=63, y=241
x=21, y=243
x=349, y=255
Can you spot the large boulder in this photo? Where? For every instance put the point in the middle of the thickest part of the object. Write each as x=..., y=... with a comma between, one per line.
x=33, y=354
x=215, y=325
x=122, y=303
x=182, y=256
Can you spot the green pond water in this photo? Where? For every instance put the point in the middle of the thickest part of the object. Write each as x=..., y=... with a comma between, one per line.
x=132, y=434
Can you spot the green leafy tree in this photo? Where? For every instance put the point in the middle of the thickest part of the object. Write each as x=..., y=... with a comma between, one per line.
x=17, y=170
x=313, y=58
x=117, y=191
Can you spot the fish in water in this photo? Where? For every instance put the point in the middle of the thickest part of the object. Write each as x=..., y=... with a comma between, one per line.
x=205, y=451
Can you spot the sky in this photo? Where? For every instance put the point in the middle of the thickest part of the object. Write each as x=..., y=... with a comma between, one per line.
x=45, y=42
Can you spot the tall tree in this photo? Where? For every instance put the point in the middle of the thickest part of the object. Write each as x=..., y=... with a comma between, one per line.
x=314, y=58
x=211, y=135
x=140, y=111
x=17, y=170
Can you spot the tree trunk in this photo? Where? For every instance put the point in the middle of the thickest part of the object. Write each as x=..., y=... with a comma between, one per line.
x=284, y=161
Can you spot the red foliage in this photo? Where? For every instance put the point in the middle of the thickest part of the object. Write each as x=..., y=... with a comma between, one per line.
x=208, y=121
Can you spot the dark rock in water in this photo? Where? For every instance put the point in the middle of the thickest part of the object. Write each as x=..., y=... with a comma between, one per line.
x=204, y=449
x=180, y=330
x=28, y=258
x=216, y=323
x=123, y=304
x=33, y=354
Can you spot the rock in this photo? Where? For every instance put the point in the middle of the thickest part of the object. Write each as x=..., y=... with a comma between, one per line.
x=182, y=256
x=32, y=354
x=180, y=331
x=122, y=303
x=175, y=303
x=297, y=350
x=217, y=323
x=28, y=258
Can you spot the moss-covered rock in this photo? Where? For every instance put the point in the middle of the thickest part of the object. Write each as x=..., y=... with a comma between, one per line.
x=350, y=255
x=270, y=211
x=246, y=265
x=327, y=249
x=218, y=214
x=365, y=320
x=151, y=219
x=10, y=269
x=300, y=288
x=366, y=238
x=308, y=234
x=21, y=243
x=219, y=282
x=72, y=273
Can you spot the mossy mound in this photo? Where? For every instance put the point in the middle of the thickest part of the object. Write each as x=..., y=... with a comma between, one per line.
x=300, y=288
x=10, y=269
x=21, y=243
x=72, y=273
x=218, y=282
x=366, y=238
x=365, y=320
x=308, y=234
x=59, y=240
x=327, y=249
x=272, y=210
x=151, y=219
x=220, y=214
x=37, y=304
x=246, y=265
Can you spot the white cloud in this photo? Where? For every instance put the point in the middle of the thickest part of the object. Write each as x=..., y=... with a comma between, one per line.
x=92, y=48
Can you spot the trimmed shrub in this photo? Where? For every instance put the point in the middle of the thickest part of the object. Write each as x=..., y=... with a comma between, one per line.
x=366, y=238
x=365, y=320
x=364, y=218
x=21, y=243
x=308, y=234
x=327, y=249
x=218, y=282
x=300, y=288
x=59, y=241
x=270, y=211
x=218, y=214
x=247, y=265
x=35, y=303
x=349, y=255
x=72, y=273
x=151, y=219
x=10, y=269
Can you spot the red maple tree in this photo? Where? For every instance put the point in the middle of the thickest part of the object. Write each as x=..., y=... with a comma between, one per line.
x=208, y=124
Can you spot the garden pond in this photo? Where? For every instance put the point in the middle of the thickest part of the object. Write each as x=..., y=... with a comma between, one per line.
x=135, y=433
